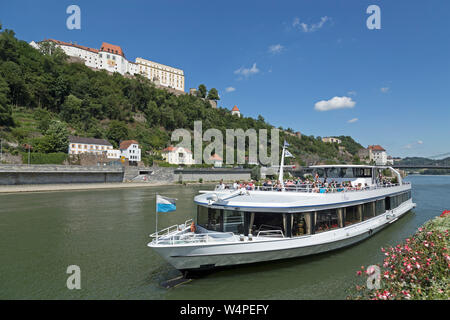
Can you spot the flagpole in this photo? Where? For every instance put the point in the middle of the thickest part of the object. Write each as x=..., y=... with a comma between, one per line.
x=156, y=214
x=281, y=174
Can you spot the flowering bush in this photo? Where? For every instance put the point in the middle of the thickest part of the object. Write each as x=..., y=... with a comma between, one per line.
x=419, y=268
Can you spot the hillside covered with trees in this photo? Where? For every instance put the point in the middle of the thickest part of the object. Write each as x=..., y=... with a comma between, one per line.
x=44, y=98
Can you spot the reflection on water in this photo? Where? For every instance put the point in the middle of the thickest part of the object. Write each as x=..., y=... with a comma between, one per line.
x=105, y=232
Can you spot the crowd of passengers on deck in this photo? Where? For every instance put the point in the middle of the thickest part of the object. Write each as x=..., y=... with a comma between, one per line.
x=317, y=185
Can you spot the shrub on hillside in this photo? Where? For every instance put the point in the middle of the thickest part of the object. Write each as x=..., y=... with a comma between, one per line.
x=44, y=158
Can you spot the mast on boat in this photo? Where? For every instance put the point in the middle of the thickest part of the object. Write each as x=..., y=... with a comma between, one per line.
x=281, y=172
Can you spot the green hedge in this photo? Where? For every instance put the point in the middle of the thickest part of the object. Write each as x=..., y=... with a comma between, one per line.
x=44, y=158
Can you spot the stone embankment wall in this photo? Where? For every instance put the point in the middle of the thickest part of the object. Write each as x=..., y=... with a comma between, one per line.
x=57, y=174
x=174, y=175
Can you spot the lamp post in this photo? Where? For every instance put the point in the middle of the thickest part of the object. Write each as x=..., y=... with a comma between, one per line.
x=28, y=146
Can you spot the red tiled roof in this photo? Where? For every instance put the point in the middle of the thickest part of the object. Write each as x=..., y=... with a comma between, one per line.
x=125, y=144
x=235, y=108
x=169, y=149
x=215, y=157
x=106, y=47
x=72, y=45
x=376, y=148
x=172, y=148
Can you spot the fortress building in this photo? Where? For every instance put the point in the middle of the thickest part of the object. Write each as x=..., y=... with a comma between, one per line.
x=112, y=59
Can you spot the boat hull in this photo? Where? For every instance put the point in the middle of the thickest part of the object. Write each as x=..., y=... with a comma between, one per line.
x=207, y=256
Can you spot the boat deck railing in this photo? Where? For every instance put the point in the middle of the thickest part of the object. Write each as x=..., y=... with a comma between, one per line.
x=172, y=229
x=270, y=233
x=186, y=237
x=190, y=237
x=310, y=188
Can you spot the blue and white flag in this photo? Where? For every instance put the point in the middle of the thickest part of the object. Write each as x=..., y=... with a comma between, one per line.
x=287, y=154
x=286, y=144
x=164, y=204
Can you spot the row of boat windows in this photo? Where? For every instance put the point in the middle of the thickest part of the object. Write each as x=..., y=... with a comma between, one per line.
x=294, y=224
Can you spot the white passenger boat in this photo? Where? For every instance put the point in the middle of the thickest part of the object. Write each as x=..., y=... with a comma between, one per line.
x=236, y=227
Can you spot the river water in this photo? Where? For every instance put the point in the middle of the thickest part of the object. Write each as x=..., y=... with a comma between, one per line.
x=105, y=233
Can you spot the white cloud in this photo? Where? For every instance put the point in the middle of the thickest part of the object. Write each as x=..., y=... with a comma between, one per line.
x=246, y=72
x=230, y=89
x=384, y=89
x=276, y=48
x=334, y=103
x=408, y=146
x=351, y=93
x=412, y=145
x=312, y=27
x=353, y=120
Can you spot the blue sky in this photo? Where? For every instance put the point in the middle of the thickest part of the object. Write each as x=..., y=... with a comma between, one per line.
x=280, y=58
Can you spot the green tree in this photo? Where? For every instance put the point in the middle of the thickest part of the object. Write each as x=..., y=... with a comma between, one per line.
x=56, y=138
x=213, y=94
x=117, y=131
x=201, y=92
x=71, y=109
x=5, y=109
x=47, y=47
x=12, y=73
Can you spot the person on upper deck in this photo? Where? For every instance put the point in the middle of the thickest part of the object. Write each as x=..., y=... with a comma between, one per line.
x=221, y=185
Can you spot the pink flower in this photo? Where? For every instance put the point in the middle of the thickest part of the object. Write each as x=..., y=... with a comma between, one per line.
x=370, y=270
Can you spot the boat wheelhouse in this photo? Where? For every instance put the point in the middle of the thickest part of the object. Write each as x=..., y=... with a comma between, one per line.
x=289, y=220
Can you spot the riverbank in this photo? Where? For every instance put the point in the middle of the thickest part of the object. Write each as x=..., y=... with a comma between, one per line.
x=89, y=186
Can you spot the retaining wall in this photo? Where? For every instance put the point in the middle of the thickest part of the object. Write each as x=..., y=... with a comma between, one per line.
x=57, y=174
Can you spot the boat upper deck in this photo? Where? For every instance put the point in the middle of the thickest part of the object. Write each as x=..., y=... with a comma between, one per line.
x=310, y=188
x=294, y=198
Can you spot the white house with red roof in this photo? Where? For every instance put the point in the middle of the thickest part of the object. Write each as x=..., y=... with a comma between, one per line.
x=235, y=111
x=217, y=160
x=129, y=149
x=177, y=155
x=378, y=154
